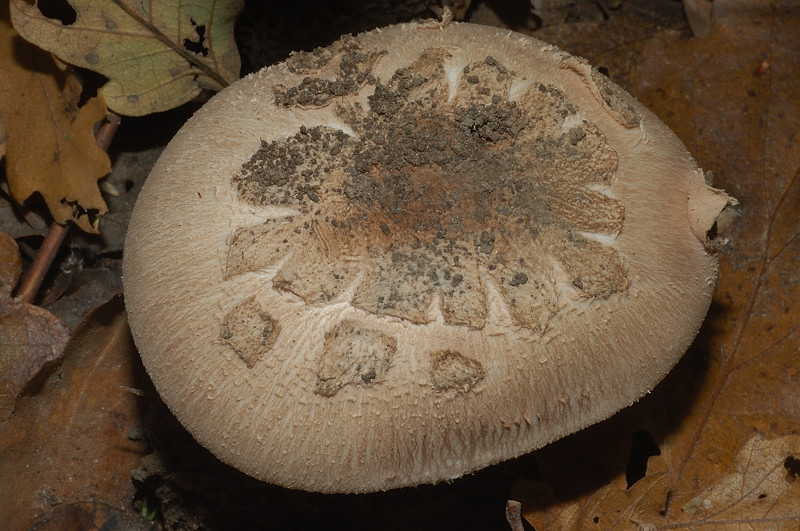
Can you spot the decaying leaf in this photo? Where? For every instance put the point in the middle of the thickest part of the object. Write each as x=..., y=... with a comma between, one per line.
x=77, y=439
x=29, y=335
x=725, y=420
x=156, y=55
x=763, y=489
x=51, y=148
x=545, y=512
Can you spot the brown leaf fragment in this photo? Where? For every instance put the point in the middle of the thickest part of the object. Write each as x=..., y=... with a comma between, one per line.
x=763, y=490
x=10, y=265
x=51, y=147
x=156, y=55
x=29, y=335
x=78, y=437
x=741, y=376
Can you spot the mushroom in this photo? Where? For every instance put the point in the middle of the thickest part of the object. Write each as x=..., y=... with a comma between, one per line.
x=412, y=254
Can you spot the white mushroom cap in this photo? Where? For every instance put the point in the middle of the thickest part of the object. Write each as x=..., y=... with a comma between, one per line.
x=412, y=254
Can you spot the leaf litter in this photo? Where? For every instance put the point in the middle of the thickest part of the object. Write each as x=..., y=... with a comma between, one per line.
x=737, y=385
x=723, y=424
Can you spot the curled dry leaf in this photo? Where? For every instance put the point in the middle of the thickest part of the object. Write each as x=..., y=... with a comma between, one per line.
x=544, y=511
x=74, y=441
x=51, y=147
x=157, y=55
x=29, y=335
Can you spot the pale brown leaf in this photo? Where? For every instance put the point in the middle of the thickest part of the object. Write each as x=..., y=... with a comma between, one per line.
x=762, y=490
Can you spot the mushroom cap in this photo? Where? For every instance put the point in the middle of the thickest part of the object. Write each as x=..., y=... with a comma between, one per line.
x=420, y=251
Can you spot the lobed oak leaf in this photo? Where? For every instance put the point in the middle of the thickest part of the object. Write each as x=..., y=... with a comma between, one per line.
x=50, y=143
x=156, y=55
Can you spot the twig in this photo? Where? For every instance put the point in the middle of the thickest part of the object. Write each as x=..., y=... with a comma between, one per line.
x=33, y=278
x=105, y=133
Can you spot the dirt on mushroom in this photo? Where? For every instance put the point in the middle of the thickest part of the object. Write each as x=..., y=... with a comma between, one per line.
x=430, y=175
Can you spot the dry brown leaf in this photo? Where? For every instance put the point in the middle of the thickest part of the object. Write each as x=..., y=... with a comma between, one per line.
x=29, y=335
x=730, y=411
x=157, y=55
x=544, y=512
x=51, y=145
x=762, y=490
x=75, y=440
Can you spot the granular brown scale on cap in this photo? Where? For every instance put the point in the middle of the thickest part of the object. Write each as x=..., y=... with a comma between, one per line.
x=412, y=254
x=435, y=195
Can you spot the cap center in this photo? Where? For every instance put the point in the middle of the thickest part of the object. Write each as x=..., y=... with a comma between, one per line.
x=439, y=196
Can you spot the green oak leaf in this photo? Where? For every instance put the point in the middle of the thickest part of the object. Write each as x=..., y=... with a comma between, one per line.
x=156, y=55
